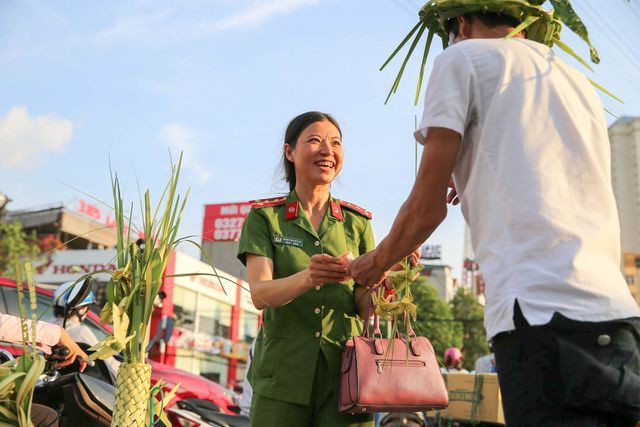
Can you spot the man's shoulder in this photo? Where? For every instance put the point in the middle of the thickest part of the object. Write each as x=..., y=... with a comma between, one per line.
x=478, y=48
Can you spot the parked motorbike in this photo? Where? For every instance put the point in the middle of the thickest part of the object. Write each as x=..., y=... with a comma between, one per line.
x=87, y=398
x=198, y=412
x=79, y=398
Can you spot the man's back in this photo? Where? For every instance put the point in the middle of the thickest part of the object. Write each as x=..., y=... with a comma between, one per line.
x=533, y=175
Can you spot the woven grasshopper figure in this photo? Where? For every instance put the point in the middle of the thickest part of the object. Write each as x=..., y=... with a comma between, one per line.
x=537, y=23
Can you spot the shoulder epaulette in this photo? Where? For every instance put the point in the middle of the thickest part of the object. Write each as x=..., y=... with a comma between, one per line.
x=356, y=208
x=265, y=203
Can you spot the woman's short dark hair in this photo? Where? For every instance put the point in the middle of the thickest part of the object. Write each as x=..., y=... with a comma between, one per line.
x=294, y=129
x=490, y=19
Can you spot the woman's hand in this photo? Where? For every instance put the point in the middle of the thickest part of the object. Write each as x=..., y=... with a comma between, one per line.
x=324, y=268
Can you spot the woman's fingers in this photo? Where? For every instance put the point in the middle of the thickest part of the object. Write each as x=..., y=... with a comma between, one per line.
x=326, y=259
x=325, y=268
x=322, y=280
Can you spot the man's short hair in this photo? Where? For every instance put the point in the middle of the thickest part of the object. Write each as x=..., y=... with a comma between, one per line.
x=490, y=19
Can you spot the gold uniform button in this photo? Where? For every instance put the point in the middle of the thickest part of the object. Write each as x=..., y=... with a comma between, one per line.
x=317, y=243
x=317, y=334
x=316, y=311
x=317, y=288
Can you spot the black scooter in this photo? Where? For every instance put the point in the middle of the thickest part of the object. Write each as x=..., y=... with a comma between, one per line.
x=87, y=398
x=79, y=398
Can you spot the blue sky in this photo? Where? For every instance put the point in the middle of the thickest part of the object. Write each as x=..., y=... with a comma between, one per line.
x=219, y=79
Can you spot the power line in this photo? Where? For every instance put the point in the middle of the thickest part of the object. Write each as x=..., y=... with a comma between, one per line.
x=633, y=9
x=612, y=33
x=404, y=7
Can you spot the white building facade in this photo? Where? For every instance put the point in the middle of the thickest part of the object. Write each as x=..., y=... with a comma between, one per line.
x=625, y=178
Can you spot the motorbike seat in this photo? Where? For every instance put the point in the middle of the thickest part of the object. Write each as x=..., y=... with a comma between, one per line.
x=100, y=393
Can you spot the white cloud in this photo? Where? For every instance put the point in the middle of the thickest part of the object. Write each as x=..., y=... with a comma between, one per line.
x=181, y=137
x=259, y=12
x=176, y=24
x=24, y=139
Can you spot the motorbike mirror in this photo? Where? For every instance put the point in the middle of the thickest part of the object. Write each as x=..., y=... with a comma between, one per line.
x=79, y=293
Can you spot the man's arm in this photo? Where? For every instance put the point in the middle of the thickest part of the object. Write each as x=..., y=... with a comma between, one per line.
x=421, y=213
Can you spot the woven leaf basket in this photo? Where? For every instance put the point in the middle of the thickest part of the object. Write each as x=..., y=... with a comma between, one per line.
x=132, y=395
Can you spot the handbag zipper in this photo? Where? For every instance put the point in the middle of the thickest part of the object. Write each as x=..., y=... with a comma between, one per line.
x=381, y=363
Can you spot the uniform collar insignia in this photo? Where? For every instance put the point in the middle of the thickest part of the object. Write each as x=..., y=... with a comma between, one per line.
x=336, y=210
x=291, y=211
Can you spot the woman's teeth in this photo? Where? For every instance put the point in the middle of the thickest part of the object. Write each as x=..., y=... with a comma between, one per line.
x=325, y=164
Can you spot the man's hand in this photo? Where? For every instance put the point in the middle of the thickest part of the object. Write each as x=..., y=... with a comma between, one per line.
x=414, y=258
x=452, y=197
x=74, y=351
x=365, y=272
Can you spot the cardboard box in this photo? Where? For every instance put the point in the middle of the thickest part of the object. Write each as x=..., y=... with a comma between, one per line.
x=464, y=389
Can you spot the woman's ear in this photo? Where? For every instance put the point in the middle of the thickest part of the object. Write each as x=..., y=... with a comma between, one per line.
x=288, y=152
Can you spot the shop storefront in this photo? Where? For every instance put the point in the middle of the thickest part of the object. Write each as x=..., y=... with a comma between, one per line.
x=214, y=321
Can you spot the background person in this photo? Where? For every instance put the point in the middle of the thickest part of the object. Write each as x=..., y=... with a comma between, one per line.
x=47, y=335
x=525, y=138
x=453, y=362
x=485, y=364
x=75, y=327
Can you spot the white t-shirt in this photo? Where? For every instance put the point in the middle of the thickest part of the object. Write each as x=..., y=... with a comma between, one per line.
x=534, y=180
x=485, y=364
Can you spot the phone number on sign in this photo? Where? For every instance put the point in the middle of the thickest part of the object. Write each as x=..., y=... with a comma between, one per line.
x=226, y=234
x=225, y=223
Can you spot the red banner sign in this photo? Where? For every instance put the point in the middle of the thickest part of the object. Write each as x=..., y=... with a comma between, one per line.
x=223, y=221
x=95, y=213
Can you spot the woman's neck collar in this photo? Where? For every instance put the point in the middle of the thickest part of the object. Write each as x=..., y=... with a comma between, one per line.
x=313, y=197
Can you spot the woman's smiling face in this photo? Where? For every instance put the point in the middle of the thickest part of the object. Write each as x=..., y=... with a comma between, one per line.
x=318, y=154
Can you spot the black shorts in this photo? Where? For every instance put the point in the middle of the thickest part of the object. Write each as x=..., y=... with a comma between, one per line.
x=570, y=373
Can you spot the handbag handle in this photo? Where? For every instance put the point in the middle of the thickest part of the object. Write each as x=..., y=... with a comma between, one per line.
x=376, y=323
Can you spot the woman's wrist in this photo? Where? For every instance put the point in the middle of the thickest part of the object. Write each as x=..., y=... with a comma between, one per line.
x=306, y=281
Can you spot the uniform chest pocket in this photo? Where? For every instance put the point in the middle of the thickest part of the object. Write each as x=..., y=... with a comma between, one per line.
x=289, y=260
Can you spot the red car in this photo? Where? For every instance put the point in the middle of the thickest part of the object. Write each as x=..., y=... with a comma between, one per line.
x=191, y=385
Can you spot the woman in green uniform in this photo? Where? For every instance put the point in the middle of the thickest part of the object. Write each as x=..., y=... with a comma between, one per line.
x=294, y=249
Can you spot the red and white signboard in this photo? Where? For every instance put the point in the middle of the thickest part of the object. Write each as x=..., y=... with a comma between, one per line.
x=94, y=212
x=223, y=221
x=66, y=266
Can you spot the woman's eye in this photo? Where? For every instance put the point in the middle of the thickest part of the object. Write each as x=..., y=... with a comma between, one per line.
x=337, y=143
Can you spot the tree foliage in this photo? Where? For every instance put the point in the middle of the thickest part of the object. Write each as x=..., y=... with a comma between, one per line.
x=16, y=246
x=469, y=313
x=435, y=318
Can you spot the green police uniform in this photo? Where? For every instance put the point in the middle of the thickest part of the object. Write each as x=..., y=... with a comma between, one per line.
x=296, y=363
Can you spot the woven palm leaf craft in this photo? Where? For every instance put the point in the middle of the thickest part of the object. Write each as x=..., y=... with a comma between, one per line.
x=537, y=23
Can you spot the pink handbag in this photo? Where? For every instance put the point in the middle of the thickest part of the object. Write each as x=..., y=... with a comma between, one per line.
x=401, y=380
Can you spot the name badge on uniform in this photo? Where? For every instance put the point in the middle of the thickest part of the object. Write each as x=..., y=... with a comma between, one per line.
x=289, y=241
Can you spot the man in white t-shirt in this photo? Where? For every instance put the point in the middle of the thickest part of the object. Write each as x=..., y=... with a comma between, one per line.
x=524, y=137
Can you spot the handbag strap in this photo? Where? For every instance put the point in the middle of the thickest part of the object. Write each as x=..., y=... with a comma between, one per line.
x=376, y=323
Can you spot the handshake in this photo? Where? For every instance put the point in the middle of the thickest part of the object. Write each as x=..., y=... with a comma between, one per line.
x=364, y=270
